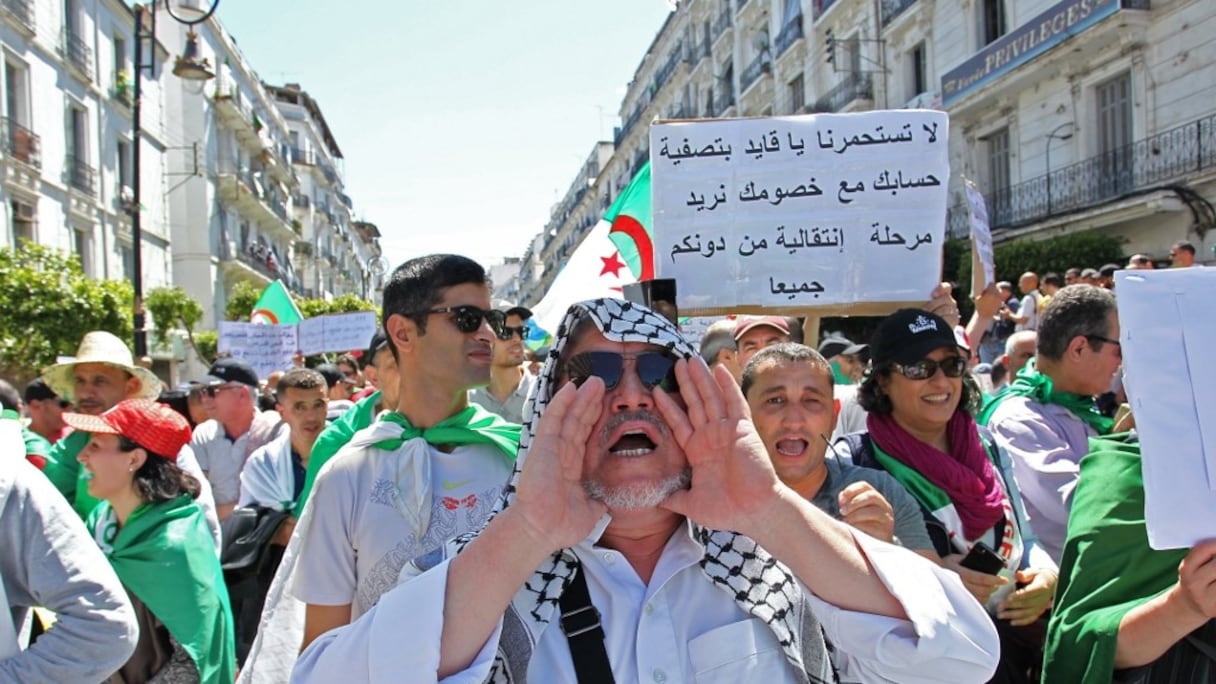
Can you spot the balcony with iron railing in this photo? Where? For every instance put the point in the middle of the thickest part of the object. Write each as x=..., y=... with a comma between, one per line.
x=21, y=143
x=21, y=12
x=759, y=66
x=854, y=87
x=1144, y=165
x=669, y=67
x=720, y=25
x=790, y=34
x=78, y=54
x=301, y=156
x=627, y=126
x=80, y=175
x=893, y=8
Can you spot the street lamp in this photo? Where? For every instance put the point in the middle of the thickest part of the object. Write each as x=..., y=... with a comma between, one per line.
x=1055, y=135
x=188, y=67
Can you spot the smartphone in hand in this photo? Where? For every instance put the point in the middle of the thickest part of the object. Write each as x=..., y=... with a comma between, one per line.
x=982, y=558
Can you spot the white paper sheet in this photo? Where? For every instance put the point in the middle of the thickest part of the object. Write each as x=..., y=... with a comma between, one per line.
x=1167, y=321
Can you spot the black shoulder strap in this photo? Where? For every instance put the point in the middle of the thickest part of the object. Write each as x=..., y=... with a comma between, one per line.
x=580, y=623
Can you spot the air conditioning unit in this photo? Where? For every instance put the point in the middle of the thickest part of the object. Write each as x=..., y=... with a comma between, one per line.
x=24, y=213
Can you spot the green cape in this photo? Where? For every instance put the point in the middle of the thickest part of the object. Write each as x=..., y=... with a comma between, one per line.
x=1107, y=567
x=165, y=556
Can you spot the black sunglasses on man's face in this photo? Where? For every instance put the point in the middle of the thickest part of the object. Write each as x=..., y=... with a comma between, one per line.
x=653, y=369
x=468, y=318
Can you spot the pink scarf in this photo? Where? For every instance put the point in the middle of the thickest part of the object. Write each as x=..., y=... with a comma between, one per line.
x=965, y=475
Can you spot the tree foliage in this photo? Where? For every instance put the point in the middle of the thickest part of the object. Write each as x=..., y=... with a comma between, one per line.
x=347, y=303
x=172, y=308
x=241, y=298
x=47, y=304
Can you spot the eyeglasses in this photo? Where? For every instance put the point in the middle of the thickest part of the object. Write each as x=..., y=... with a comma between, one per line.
x=468, y=318
x=506, y=332
x=654, y=369
x=1099, y=338
x=953, y=367
x=216, y=389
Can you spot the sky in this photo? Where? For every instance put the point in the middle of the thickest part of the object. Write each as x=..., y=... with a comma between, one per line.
x=462, y=122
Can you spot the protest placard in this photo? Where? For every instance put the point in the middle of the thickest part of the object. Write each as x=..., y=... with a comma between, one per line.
x=1167, y=320
x=829, y=211
x=983, y=264
x=266, y=348
x=337, y=332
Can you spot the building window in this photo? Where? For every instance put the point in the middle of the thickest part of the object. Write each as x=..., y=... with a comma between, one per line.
x=16, y=92
x=120, y=56
x=23, y=223
x=128, y=262
x=83, y=246
x=1114, y=104
x=797, y=94
x=992, y=20
x=124, y=166
x=918, y=76
x=997, y=150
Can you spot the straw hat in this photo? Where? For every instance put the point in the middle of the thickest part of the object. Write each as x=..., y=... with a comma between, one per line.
x=99, y=346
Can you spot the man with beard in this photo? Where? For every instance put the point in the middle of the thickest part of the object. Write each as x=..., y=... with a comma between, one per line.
x=611, y=546
x=427, y=471
x=510, y=383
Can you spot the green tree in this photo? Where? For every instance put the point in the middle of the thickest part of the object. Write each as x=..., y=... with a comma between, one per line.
x=347, y=303
x=207, y=346
x=241, y=298
x=47, y=304
x=172, y=308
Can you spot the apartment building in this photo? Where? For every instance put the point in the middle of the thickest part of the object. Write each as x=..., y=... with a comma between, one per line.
x=1071, y=115
x=66, y=144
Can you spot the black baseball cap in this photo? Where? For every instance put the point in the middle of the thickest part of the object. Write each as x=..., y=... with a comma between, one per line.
x=512, y=309
x=379, y=341
x=333, y=375
x=909, y=335
x=230, y=369
x=38, y=390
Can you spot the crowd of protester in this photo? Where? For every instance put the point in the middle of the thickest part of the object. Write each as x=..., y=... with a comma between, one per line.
x=953, y=501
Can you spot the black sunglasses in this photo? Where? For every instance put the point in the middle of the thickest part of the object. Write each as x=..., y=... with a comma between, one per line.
x=506, y=332
x=468, y=318
x=953, y=367
x=654, y=369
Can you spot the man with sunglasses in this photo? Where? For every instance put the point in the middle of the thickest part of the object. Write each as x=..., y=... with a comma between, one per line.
x=611, y=558
x=223, y=443
x=510, y=383
x=430, y=468
x=1048, y=415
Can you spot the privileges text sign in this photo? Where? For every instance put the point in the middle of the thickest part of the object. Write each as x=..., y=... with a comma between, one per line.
x=825, y=210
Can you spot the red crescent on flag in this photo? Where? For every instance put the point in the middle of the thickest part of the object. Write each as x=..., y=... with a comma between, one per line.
x=634, y=230
x=265, y=313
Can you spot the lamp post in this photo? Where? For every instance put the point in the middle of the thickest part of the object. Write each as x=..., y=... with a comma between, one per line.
x=188, y=67
x=1054, y=135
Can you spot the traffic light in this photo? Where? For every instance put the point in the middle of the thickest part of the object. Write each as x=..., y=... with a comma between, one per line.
x=830, y=41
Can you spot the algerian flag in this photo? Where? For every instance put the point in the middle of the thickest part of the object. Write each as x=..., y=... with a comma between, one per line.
x=596, y=268
x=165, y=555
x=275, y=306
x=632, y=227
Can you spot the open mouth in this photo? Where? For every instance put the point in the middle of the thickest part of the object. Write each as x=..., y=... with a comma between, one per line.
x=633, y=443
x=792, y=447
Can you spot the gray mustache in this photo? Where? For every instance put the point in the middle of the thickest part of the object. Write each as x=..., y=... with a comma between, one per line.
x=620, y=419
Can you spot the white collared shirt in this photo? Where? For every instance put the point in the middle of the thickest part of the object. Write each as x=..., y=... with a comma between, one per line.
x=681, y=628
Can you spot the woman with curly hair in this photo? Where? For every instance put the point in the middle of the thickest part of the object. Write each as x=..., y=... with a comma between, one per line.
x=921, y=431
x=156, y=537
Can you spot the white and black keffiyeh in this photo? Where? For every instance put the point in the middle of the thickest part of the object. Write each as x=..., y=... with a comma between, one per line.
x=759, y=584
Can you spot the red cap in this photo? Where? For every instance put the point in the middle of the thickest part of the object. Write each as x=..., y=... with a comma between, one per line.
x=153, y=426
x=746, y=324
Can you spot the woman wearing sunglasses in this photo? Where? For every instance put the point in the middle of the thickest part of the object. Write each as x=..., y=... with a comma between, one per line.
x=921, y=431
x=156, y=538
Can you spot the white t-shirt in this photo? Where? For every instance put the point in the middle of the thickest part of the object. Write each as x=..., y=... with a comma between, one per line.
x=1030, y=309
x=360, y=537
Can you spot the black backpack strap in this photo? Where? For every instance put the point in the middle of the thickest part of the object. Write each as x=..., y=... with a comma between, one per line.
x=580, y=622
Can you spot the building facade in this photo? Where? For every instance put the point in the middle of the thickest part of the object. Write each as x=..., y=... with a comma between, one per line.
x=1071, y=115
x=66, y=145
